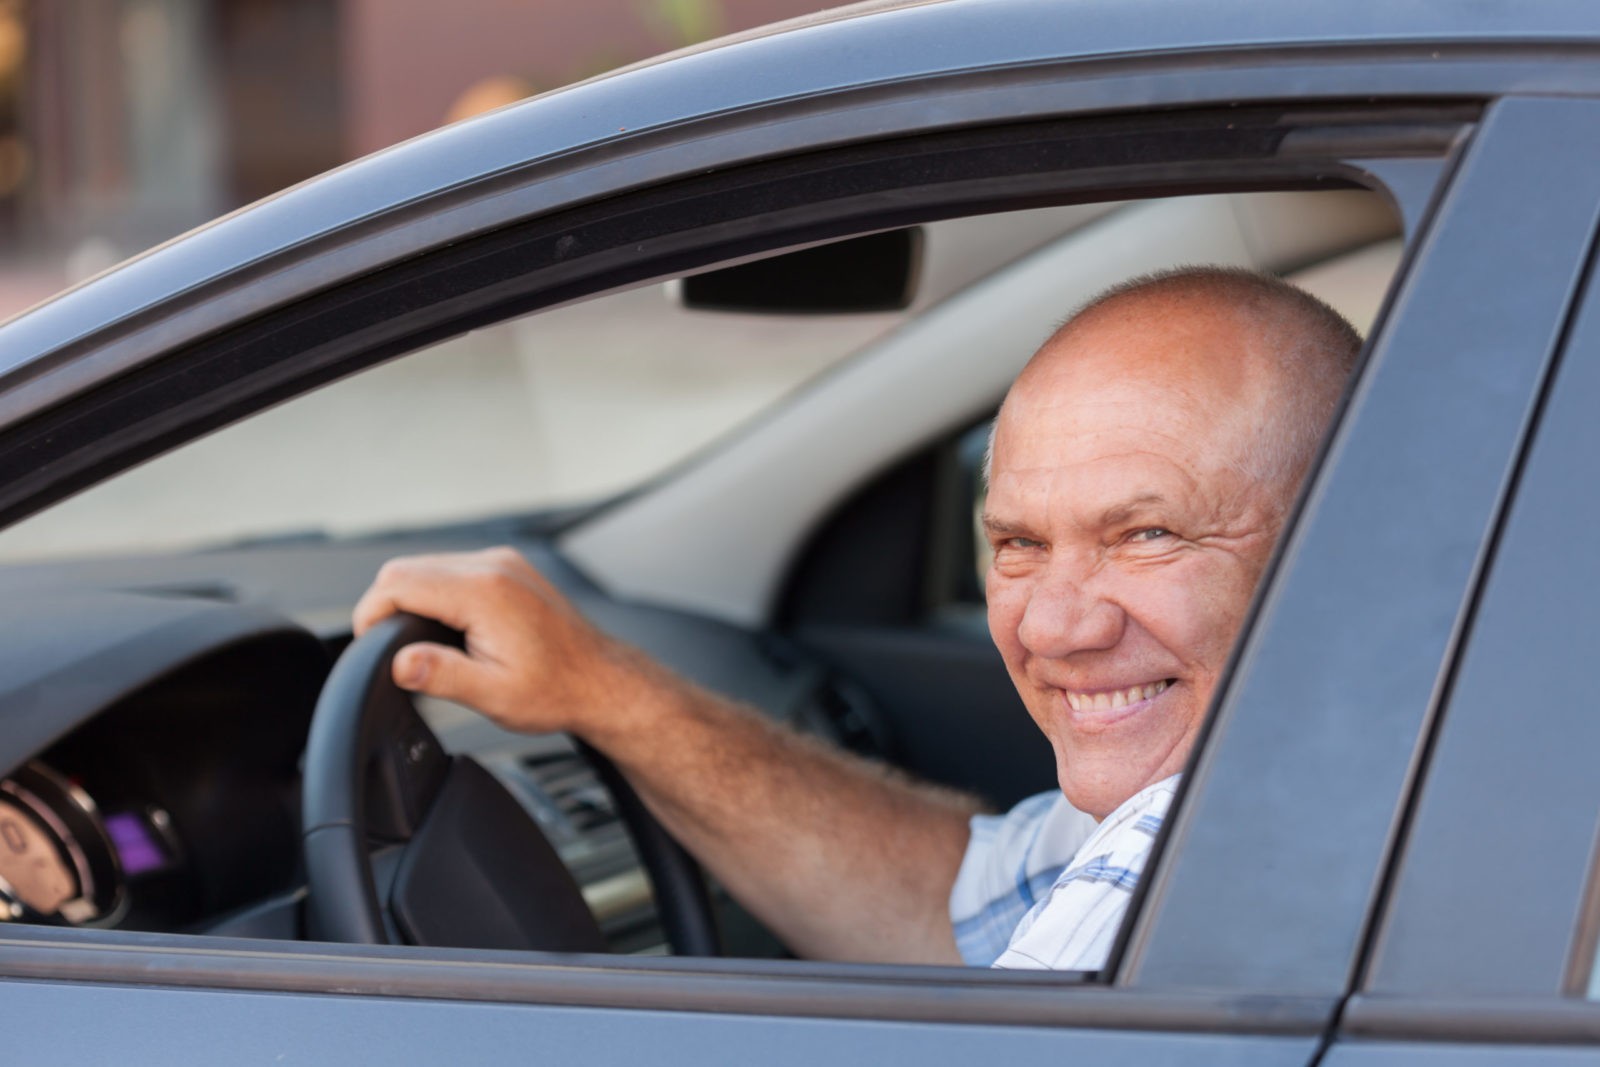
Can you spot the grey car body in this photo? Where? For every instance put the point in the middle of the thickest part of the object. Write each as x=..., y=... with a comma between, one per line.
x=1384, y=846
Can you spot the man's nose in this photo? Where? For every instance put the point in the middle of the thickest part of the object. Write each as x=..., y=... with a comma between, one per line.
x=1066, y=614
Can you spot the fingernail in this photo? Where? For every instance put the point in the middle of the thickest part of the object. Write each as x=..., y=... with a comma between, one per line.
x=409, y=671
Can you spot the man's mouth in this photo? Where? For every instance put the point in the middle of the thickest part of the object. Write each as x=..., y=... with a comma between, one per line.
x=1112, y=699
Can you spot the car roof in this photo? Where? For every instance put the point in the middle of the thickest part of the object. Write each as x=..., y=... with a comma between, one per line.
x=871, y=44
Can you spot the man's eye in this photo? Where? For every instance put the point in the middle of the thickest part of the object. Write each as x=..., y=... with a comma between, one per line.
x=1150, y=533
x=1020, y=542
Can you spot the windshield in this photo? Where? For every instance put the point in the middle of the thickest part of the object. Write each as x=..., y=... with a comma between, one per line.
x=560, y=408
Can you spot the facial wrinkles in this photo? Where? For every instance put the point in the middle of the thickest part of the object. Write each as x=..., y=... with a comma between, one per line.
x=1115, y=489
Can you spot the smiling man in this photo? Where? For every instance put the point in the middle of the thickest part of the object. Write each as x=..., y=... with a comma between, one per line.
x=1141, y=470
x=1140, y=474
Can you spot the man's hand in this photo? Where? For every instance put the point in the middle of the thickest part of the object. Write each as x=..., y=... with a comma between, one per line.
x=531, y=663
x=839, y=857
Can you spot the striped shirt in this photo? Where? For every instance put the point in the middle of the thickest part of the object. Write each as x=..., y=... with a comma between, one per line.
x=1044, y=886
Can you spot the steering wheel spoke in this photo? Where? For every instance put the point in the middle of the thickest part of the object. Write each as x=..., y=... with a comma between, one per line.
x=407, y=766
x=479, y=874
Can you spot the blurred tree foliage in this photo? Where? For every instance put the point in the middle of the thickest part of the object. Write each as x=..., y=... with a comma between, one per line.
x=680, y=23
x=671, y=23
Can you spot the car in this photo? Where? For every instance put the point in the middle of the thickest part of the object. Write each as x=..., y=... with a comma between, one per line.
x=1405, y=719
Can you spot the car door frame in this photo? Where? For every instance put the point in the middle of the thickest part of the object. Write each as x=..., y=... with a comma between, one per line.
x=1489, y=933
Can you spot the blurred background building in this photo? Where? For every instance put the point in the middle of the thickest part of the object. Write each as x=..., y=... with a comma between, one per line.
x=125, y=122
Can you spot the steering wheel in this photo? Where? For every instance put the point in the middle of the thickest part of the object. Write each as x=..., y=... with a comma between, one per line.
x=465, y=865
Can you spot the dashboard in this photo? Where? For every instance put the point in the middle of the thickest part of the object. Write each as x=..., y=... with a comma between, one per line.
x=169, y=796
x=154, y=731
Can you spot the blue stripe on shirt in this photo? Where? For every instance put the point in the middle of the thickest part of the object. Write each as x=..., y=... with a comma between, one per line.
x=983, y=936
x=1101, y=869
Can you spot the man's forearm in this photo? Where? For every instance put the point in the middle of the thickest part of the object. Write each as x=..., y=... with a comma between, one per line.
x=842, y=858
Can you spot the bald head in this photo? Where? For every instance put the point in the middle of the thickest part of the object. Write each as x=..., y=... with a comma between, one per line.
x=1289, y=358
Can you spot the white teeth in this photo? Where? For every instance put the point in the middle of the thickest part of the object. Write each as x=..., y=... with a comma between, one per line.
x=1121, y=698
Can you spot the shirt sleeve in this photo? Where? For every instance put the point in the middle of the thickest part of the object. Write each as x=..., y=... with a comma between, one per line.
x=1011, y=862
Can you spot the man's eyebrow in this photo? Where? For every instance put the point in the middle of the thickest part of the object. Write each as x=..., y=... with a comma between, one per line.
x=1121, y=511
x=1125, y=510
x=1003, y=527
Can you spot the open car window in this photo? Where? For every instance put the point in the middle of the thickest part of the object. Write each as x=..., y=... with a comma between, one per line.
x=526, y=425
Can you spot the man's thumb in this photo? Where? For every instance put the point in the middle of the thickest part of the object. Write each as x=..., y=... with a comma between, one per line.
x=438, y=671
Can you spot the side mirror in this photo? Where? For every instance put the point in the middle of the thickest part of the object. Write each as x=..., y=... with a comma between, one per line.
x=877, y=272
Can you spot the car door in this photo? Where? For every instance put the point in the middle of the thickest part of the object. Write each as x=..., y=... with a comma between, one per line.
x=1485, y=949
x=1245, y=937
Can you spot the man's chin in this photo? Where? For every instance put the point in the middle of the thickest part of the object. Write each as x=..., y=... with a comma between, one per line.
x=1101, y=794
x=1099, y=770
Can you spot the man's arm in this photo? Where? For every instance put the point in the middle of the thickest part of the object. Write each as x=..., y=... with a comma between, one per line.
x=842, y=859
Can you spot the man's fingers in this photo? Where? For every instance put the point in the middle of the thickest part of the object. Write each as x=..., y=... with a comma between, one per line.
x=443, y=672
x=433, y=586
x=518, y=630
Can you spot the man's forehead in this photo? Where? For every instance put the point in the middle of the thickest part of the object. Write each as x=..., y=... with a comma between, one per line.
x=1065, y=422
x=1034, y=492
x=1092, y=484
x=1142, y=366
x=1094, y=441
x=1150, y=346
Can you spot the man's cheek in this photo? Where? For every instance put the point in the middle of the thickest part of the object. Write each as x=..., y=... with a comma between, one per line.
x=1199, y=603
x=1006, y=602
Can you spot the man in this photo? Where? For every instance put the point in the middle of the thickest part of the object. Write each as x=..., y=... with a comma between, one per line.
x=1141, y=469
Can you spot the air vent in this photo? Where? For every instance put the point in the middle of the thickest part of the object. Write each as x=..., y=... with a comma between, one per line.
x=570, y=784
x=201, y=589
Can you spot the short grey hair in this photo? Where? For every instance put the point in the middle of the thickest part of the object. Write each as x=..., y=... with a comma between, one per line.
x=1320, y=354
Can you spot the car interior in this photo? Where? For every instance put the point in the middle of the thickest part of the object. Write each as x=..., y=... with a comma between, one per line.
x=776, y=497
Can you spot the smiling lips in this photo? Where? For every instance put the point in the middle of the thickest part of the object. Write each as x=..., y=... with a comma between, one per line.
x=1111, y=699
